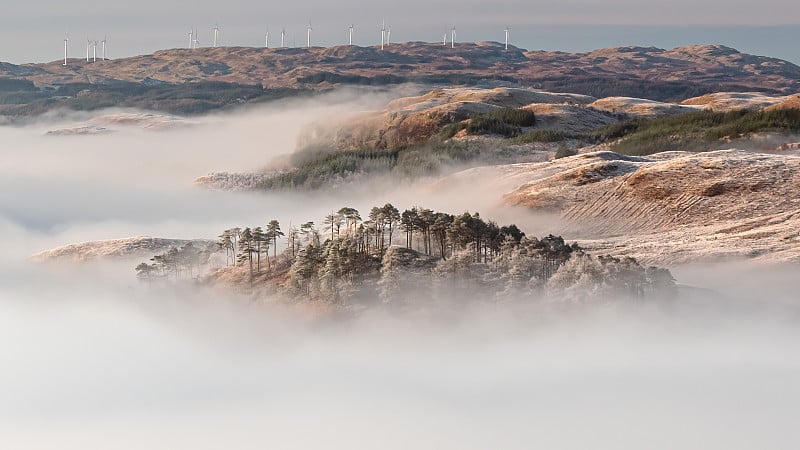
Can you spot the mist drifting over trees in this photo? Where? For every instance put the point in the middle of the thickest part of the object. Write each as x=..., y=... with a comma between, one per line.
x=409, y=257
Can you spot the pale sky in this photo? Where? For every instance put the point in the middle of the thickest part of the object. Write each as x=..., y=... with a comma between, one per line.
x=34, y=31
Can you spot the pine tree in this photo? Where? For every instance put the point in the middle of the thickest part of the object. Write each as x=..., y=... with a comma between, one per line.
x=247, y=248
x=274, y=232
x=226, y=242
x=189, y=257
x=146, y=271
x=438, y=228
x=235, y=236
x=305, y=267
x=351, y=217
x=426, y=220
x=261, y=243
x=408, y=220
x=391, y=217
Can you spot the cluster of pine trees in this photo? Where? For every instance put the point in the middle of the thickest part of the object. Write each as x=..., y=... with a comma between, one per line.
x=352, y=257
x=247, y=245
x=175, y=263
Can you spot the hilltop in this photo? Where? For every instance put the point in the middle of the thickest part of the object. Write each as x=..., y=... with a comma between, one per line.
x=447, y=129
x=196, y=80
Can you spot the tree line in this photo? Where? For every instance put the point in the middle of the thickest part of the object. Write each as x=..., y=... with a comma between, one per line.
x=348, y=255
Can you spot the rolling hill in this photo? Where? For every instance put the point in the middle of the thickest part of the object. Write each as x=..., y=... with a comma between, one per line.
x=196, y=80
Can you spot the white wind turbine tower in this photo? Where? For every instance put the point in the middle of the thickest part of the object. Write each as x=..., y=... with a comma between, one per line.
x=389, y=36
x=191, y=38
x=383, y=33
x=283, y=38
x=444, y=42
x=453, y=39
x=94, y=49
x=105, y=38
x=266, y=39
x=66, y=49
x=88, y=47
x=350, y=42
x=506, y=30
x=308, y=35
x=216, y=34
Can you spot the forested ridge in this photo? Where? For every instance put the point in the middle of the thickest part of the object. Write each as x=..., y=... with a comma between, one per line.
x=511, y=130
x=405, y=257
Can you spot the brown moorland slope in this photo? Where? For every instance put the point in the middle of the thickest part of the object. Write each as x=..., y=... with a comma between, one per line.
x=652, y=73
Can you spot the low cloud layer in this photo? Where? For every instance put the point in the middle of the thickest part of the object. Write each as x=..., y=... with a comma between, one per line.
x=97, y=365
x=94, y=359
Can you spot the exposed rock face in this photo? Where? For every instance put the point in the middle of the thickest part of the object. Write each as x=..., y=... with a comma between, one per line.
x=667, y=208
x=134, y=247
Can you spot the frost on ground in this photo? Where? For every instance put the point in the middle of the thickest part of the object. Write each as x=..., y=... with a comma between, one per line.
x=117, y=248
x=225, y=181
x=111, y=122
x=640, y=107
x=669, y=208
x=729, y=101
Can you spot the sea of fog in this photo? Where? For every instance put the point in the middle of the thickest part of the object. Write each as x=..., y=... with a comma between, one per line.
x=91, y=358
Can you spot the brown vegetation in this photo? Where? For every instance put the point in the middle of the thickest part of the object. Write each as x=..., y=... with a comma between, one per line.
x=648, y=72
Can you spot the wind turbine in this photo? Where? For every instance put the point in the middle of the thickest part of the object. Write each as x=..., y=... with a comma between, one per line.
x=283, y=38
x=453, y=39
x=383, y=33
x=266, y=39
x=191, y=38
x=216, y=34
x=506, y=30
x=105, y=38
x=308, y=35
x=88, y=46
x=444, y=42
x=350, y=42
x=66, y=49
x=388, y=36
x=94, y=50
x=196, y=41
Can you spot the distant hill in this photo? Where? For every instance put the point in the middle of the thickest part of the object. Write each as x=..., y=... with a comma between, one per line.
x=190, y=81
x=448, y=128
x=133, y=247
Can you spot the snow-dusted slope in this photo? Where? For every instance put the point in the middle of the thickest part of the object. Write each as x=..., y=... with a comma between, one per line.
x=639, y=107
x=118, y=120
x=668, y=208
x=727, y=101
x=133, y=247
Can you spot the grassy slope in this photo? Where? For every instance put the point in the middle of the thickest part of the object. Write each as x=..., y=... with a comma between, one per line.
x=695, y=131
